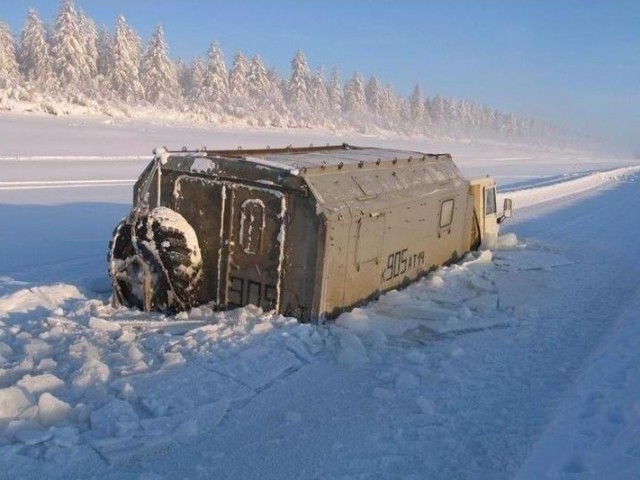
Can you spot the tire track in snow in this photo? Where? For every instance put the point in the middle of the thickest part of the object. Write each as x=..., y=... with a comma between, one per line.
x=544, y=193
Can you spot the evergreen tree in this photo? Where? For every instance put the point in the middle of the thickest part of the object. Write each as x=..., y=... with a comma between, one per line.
x=388, y=102
x=355, y=101
x=238, y=91
x=427, y=120
x=404, y=115
x=373, y=92
x=278, y=108
x=268, y=106
x=35, y=62
x=124, y=74
x=437, y=109
x=158, y=73
x=8, y=63
x=450, y=114
x=416, y=105
x=334, y=92
x=273, y=109
x=258, y=83
x=465, y=114
x=68, y=50
x=184, y=73
x=89, y=33
x=104, y=52
x=486, y=118
x=192, y=78
x=214, y=86
x=318, y=95
x=298, y=88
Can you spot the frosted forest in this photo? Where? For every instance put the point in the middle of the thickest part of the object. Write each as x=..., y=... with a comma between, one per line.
x=73, y=66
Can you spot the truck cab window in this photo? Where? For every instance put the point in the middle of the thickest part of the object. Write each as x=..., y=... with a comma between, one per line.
x=489, y=201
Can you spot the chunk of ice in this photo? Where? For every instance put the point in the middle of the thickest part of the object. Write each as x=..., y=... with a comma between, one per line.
x=40, y=383
x=100, y=325
x=52, y=410
x=114, y=418
x=93, y=372
x=38, y=349
x=13, y=402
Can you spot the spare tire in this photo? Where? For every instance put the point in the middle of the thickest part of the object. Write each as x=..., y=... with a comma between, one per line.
x=155, y=261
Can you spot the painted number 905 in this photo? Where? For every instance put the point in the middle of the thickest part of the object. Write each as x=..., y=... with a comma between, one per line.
x=399, y=263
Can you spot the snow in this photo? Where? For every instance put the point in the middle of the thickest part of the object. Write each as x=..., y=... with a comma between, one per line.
x=267, y=163
x=14, y=401
x=517, y=362
x=52, y=411
x=46, y=296
x=36, y=384
x=174, y=221
x=596, y=433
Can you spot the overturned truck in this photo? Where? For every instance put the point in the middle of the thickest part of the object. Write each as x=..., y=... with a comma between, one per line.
x=307, y=232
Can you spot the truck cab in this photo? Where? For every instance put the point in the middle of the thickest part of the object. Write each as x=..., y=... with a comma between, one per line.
x=485, y=210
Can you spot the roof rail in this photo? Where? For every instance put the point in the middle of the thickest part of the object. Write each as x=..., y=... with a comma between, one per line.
x=239, y=152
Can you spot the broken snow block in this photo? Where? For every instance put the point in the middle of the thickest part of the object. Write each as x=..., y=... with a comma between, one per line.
x=52, y=410
x=13, y=402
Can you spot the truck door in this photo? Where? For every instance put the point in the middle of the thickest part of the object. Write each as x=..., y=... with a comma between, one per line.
x=202, y=203
x=490, y=233
x=239, y=231
x=485, y=212
x=255, y=241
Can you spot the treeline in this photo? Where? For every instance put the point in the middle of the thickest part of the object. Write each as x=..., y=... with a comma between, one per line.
x=75, y=61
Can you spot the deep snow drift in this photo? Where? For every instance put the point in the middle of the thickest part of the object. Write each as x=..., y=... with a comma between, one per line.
x=518, y=362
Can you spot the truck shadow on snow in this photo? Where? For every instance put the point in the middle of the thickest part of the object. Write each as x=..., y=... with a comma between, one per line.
x=57, y=243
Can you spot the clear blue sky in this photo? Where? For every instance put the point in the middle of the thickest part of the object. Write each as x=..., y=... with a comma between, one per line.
x=574, y=63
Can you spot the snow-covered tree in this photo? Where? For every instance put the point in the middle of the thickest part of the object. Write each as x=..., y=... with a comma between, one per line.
x=373, y=92
x=318, y=96
x=238, y=90
x=427, y=119
x=258, y=83
x=124, y=74
x=196, y=77
x=35, y=62
x=184, y=71
x=265, y=97
x=404, y=114
x=158, y=73
x=334, y=92
x=8, y=63
x=355, y=101
x=104, y=51
x=438, y=113
x=213, y=89
x=388, y=102
x=511, y=127
x=277, y=108
x=416, y=104
x=465, y=114
x=273, y=110
x=450, y=115
x=89, y=33
x=68, y=50
x=298, y=87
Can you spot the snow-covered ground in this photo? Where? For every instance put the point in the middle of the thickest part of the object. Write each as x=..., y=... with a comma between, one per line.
x=521, y=362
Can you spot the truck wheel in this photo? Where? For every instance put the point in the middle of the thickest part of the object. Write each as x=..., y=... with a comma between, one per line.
x=155, y=262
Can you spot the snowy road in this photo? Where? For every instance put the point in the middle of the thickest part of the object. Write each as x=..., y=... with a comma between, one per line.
x=519, y=363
